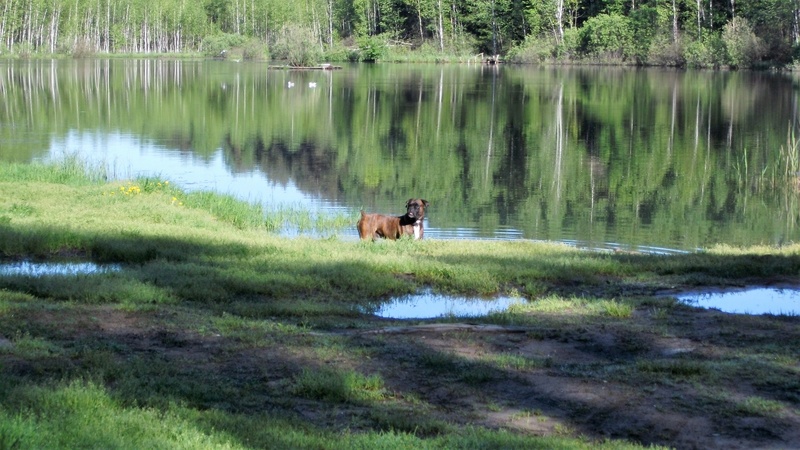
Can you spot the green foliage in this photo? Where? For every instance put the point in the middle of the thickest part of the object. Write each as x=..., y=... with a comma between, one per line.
x=297, y=45
x=547, y=48
x=220, y=45
x=24, y=50
x=533, y=50
x=607, y=36
x=568, y=48
x=707, y=51
x=340, y=52
x=371, y=48
x=663, y=51
x=743, y=47
x=87, y=27
x=254, y=49
x=84, y=48
x=216, y=10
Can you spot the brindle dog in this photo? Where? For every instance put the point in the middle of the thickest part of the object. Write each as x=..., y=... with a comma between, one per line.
x=373, y=226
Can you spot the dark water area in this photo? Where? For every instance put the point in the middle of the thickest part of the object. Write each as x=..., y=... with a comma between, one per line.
x=635, y=159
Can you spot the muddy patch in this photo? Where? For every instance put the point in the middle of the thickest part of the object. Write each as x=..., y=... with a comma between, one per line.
x=678, y=380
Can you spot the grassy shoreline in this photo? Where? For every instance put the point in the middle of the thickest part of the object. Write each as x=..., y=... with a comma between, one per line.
x=219, y=333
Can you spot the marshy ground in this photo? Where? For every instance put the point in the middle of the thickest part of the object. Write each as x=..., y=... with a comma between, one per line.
x=217, y=333
x=666, y=375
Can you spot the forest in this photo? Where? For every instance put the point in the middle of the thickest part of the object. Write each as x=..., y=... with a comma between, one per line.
x=681, y=33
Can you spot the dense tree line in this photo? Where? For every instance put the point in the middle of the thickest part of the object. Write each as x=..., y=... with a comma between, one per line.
x=662, y=32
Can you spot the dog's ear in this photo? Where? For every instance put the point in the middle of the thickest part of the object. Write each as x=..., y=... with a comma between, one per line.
x=408, y=202
x=425, y=202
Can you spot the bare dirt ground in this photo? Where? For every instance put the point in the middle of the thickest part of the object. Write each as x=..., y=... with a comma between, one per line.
x=691, y=380
x=584, y=385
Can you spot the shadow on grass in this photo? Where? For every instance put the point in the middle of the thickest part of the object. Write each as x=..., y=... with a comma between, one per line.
x=596, y=380
x=584, y=273
x=227, y=336
x=160, y=270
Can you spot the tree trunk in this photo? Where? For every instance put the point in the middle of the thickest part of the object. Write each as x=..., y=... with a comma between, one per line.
x=454, y=21
x=419, y=20
x=711, y=14
x=440, y=26
x=675, y=22
x=560, y=20
x=54, y=20
x=8, y=5
x=494, y=30
x=797, y=22
x=699, y=16
x=330, y=23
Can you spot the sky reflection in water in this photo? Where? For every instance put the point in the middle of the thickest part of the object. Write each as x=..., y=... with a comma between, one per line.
x=749, y=301
x=41, y=269
x=427, y=305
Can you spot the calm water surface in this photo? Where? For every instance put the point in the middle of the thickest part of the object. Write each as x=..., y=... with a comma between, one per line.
x=758, y=300
x=41, y=269
x=427, y=305
x=653, y=160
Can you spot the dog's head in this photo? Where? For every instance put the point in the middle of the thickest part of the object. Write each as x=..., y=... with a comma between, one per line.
x=415, y=208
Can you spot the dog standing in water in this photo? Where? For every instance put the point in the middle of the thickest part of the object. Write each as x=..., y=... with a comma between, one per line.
x=373, y=226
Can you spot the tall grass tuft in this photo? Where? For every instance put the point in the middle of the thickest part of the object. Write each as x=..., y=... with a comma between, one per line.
x=616, y=309
x=782, y=175
x=83, y=415
x=791, y=155
x=292, y=219
x=339, y=386
x=70, y=169
x=240, y=214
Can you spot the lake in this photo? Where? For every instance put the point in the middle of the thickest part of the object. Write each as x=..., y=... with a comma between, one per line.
x=638, y=159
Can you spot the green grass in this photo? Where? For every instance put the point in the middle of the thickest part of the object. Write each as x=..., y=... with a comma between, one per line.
x=616, y=309
x=71, y=169
x=83, y=415
x=297, y=219
x=209, y=247
x=682, y=368
x=27, y=346
x=215, y=332
x=336, y=386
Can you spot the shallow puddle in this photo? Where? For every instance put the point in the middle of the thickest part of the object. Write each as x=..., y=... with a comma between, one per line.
x=748, y=301
x=427, y=305
x=40, y=269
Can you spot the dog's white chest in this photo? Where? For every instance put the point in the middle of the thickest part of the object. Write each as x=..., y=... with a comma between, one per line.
x=417, y=230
